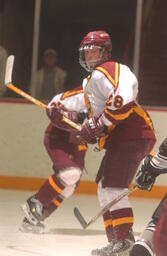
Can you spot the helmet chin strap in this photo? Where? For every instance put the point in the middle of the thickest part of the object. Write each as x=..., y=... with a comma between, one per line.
x=91, y=66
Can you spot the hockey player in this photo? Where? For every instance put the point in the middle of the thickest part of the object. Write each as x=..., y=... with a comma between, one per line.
x=154, y=237
x=67, y=154
x=110, y=93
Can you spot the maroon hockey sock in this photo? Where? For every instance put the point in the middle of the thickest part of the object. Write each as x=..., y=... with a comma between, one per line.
x=52, y=207
x=122, y=221
x=50, y=190
x=108, y=226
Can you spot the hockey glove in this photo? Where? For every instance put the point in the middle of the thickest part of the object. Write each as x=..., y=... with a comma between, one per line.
x=56, y=111
x=146, y=176
x=92, y=129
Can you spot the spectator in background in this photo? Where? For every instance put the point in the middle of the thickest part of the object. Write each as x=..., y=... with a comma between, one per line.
x=49, y=80
x=3, y=58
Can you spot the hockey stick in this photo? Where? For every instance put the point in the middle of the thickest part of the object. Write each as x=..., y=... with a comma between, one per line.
x=85, y=224
x=8, y=83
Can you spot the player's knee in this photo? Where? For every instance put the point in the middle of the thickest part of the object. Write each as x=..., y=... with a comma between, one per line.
x=70, y=175
x=68, y=191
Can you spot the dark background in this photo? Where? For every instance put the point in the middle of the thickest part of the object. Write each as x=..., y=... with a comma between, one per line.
x=66, y=22
x=63, y=25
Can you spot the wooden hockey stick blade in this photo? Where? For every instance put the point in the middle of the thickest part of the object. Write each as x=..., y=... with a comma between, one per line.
x=9, y=69
x=8, y=83
x=85, y=224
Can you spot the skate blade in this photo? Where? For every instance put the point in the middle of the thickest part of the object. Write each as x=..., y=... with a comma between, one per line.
x=32, y=230
x=26, y=210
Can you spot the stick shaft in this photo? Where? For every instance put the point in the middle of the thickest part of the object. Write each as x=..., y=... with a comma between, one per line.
x=40, y=104
x=8, y=83
x=85, y=224
x=110, y=204
x=25, y=95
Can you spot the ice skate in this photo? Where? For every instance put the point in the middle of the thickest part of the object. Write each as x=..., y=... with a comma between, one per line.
x=33, y=210
x=28, y=227
x=121, y=248
x=102, y=251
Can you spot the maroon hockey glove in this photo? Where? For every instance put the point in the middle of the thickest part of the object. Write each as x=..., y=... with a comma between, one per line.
x=55, y=113
x=92, y=129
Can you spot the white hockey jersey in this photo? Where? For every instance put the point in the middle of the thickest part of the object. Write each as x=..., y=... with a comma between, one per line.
x=110, y=87
x=73, y=100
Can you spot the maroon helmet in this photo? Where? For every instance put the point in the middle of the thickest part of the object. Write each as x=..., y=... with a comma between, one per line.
x=95, y=39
